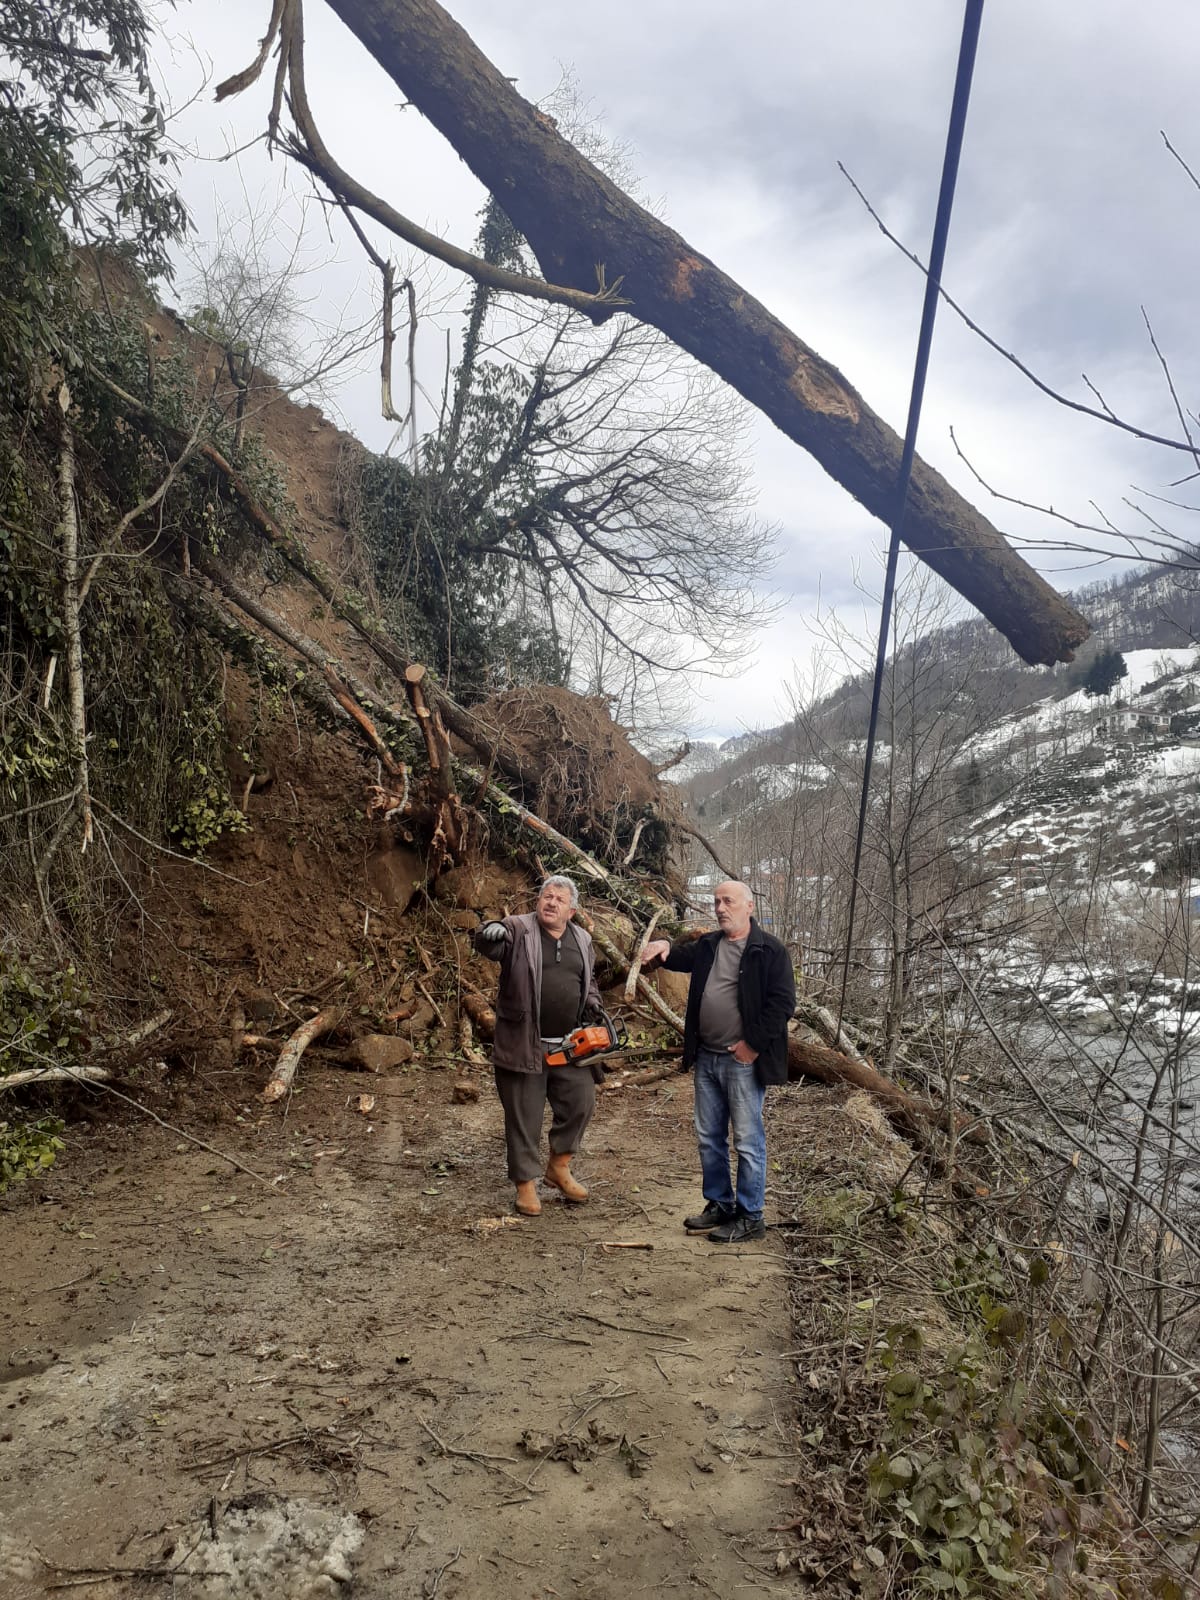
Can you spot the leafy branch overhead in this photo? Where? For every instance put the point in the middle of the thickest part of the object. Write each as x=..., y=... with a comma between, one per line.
x=573, y=217
x=81, y=149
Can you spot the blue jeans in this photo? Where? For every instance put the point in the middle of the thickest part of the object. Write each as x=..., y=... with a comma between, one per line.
x=729, y=1093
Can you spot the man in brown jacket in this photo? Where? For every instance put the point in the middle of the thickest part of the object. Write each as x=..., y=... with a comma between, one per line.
x=547, y=986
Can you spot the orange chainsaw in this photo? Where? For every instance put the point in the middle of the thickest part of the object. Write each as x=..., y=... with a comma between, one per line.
x=588, y=1043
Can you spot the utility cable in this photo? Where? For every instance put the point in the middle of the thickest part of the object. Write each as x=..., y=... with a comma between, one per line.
x=941, y=228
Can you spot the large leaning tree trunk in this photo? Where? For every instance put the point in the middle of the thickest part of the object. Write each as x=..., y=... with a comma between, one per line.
x=580, y=224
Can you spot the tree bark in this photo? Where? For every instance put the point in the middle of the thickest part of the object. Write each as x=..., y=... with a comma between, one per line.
x=581, y=225
x=69, y=534
x=912, y=1114
x=289, y=1057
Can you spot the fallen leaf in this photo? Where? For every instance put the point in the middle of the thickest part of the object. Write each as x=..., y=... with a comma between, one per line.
x=366, y=1103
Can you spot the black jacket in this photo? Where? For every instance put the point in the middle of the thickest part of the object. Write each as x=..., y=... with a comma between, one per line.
x=766, y=997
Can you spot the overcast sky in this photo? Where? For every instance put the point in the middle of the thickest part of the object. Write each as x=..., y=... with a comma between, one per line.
x=1071, y=216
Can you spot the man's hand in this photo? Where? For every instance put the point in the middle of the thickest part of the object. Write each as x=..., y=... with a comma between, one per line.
x=491, y=939
x=657, y=950
x=743, y=1054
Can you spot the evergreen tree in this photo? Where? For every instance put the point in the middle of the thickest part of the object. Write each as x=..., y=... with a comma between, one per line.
x=1105, y=672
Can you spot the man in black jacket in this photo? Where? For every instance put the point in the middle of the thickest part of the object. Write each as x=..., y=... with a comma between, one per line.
x=740, y=999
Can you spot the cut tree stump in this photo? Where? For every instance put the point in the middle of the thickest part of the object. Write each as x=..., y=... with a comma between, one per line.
x=289, y=1056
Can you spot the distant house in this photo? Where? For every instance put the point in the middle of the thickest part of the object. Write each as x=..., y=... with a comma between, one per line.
x=1124, y=722
x=1121, y=723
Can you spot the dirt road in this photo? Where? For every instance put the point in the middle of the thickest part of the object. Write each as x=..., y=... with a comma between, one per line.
x=357, y=1372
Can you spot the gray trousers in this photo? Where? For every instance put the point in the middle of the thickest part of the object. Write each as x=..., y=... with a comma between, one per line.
x=571, y=1092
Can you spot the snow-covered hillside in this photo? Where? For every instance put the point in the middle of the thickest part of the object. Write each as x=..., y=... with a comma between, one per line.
x=1069, y=818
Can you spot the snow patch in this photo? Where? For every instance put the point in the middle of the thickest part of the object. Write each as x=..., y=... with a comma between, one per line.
x=266, y=1548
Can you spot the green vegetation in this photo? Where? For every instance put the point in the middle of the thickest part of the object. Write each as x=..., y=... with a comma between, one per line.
x=82, y=159
x=947, y=1447
x=43, y=1022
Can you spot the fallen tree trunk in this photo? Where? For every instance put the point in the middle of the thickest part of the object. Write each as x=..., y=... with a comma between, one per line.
x=628, y=896
x=823, y=1021
x=646, y=989
x=250, y=648
x=350, y=694
x=913, y=1114
x=635, y=966
x=482, y=1016
x=39, y=1075
x=643, y=1079
x=581, y=225
x=289, y=1057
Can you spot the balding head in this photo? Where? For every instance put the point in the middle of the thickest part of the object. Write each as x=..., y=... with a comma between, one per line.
x=733, y=903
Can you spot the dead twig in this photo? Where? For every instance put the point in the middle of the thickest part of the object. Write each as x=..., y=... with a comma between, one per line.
x=430, y=1588
x=624, y=1327
x=635, y=966
x=643, y=1079
x=466, y=1455
x=181, y=1133
x=437, y=1010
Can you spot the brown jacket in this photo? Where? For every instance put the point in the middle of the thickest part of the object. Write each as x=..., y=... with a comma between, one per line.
x=517, y=1046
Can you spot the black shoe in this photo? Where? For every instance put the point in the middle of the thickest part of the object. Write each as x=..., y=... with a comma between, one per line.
x=739, y=1230
x=708, y=1218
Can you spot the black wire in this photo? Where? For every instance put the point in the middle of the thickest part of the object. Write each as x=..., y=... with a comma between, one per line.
x=937, y=253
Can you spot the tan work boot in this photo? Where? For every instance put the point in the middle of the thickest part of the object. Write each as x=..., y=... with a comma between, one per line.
x=558, y=1173
x=527, y=1201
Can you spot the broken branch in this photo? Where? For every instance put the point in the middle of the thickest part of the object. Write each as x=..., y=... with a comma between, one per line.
x=289, y=1057
x=635, y=966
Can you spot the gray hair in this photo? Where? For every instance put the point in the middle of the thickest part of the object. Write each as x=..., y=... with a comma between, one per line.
x=558, y=881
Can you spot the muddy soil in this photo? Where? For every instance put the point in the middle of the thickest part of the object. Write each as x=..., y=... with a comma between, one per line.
x=357, y=1371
